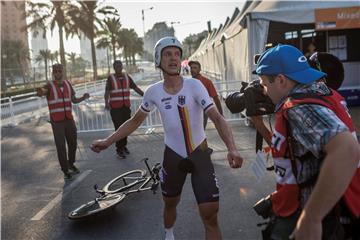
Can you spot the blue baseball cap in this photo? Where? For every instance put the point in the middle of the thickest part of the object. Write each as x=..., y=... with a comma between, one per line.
x=289, y=61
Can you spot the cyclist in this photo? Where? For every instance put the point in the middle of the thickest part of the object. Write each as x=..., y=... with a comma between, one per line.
x=181, y=103
x=315, y=151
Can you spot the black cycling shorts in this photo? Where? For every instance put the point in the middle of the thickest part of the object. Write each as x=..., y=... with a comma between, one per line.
x=203, y=177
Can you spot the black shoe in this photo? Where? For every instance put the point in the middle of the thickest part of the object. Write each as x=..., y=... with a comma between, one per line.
x=121, y=154
x=67, y=175
x=209, y=150
x=74, y=169
x=126, y=151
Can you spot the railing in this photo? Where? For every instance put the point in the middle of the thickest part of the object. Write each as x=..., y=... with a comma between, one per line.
x=19, y=108
x=91, y=115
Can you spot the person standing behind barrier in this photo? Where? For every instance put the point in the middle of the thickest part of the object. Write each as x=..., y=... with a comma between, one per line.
x=60, y=94
x=316, y=154
x=117, y=100
x=181, y=103
x=195, y=68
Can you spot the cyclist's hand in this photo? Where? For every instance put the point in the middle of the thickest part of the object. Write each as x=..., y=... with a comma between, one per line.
x=99, y=145
x=234, y=158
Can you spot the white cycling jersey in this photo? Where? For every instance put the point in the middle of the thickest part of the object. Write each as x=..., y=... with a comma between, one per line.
x=181, y=113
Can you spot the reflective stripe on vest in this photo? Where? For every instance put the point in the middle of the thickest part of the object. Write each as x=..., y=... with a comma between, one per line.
x=59, y=102
x=120, y=93
x=285, y=201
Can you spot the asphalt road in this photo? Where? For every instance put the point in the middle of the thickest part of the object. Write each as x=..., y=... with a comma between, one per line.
x=32, y=185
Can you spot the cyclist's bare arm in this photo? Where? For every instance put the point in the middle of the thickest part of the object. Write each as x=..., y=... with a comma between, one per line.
x=261, y=128
x=234, y=158
x=218, y=104
x=123, y=131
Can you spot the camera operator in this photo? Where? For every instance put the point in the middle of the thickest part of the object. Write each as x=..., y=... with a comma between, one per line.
x=315, y=153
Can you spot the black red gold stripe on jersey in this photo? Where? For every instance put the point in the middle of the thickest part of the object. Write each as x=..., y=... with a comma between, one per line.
x=186, y=127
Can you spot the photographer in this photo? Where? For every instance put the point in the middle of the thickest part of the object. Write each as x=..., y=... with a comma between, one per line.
x=316, y=156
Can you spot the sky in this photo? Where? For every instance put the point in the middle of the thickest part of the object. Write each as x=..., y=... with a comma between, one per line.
x=192, y=17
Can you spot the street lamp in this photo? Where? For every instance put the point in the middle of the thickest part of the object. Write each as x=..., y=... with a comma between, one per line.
x=143, y=17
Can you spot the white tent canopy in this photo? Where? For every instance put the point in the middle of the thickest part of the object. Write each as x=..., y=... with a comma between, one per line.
x=247, y=34
x=294, y=11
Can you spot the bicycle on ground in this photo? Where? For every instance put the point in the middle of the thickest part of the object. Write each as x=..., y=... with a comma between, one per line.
x=117, y=189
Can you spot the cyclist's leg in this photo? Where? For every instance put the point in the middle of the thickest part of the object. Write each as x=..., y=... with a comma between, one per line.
x=208, y=212
x=206, y=191
x=172, y=181
x=170, y=210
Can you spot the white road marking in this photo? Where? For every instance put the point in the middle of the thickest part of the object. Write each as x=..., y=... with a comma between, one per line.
x=60, y=196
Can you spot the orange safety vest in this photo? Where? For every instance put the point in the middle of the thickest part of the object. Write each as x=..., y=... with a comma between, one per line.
x=120, y=92
x=285, y=200
x=59, y=102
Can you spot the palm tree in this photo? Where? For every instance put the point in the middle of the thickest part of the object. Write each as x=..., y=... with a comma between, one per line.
x=138, y=48
x=72, y=58
x=17, y=57
x=46, y=16
x=54, y=57
x=86, y=19
x=44, y=55
x=127, y=39
x=107, y=36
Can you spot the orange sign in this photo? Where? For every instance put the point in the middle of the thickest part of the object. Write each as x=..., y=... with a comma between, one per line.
x=337, y=18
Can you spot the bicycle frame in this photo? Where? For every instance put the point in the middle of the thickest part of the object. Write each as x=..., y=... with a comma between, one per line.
x=144, y=180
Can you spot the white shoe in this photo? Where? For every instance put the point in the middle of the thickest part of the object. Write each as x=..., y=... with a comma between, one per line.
x=169, y=237
x=169, y=234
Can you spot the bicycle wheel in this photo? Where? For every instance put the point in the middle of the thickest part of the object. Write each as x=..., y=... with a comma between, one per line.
x=125, y=181
x=96, y=206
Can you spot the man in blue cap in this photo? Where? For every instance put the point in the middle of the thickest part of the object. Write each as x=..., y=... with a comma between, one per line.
x=315, y=151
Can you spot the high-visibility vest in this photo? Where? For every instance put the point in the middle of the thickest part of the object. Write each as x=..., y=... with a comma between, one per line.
x=120, y=92
x=59, y=102
x=285, y=200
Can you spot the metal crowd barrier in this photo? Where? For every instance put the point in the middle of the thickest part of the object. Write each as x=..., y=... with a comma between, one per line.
x=91, y=115
x=19, y=108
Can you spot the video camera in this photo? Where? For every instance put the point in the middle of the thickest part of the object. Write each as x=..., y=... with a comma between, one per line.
x=252, y=98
